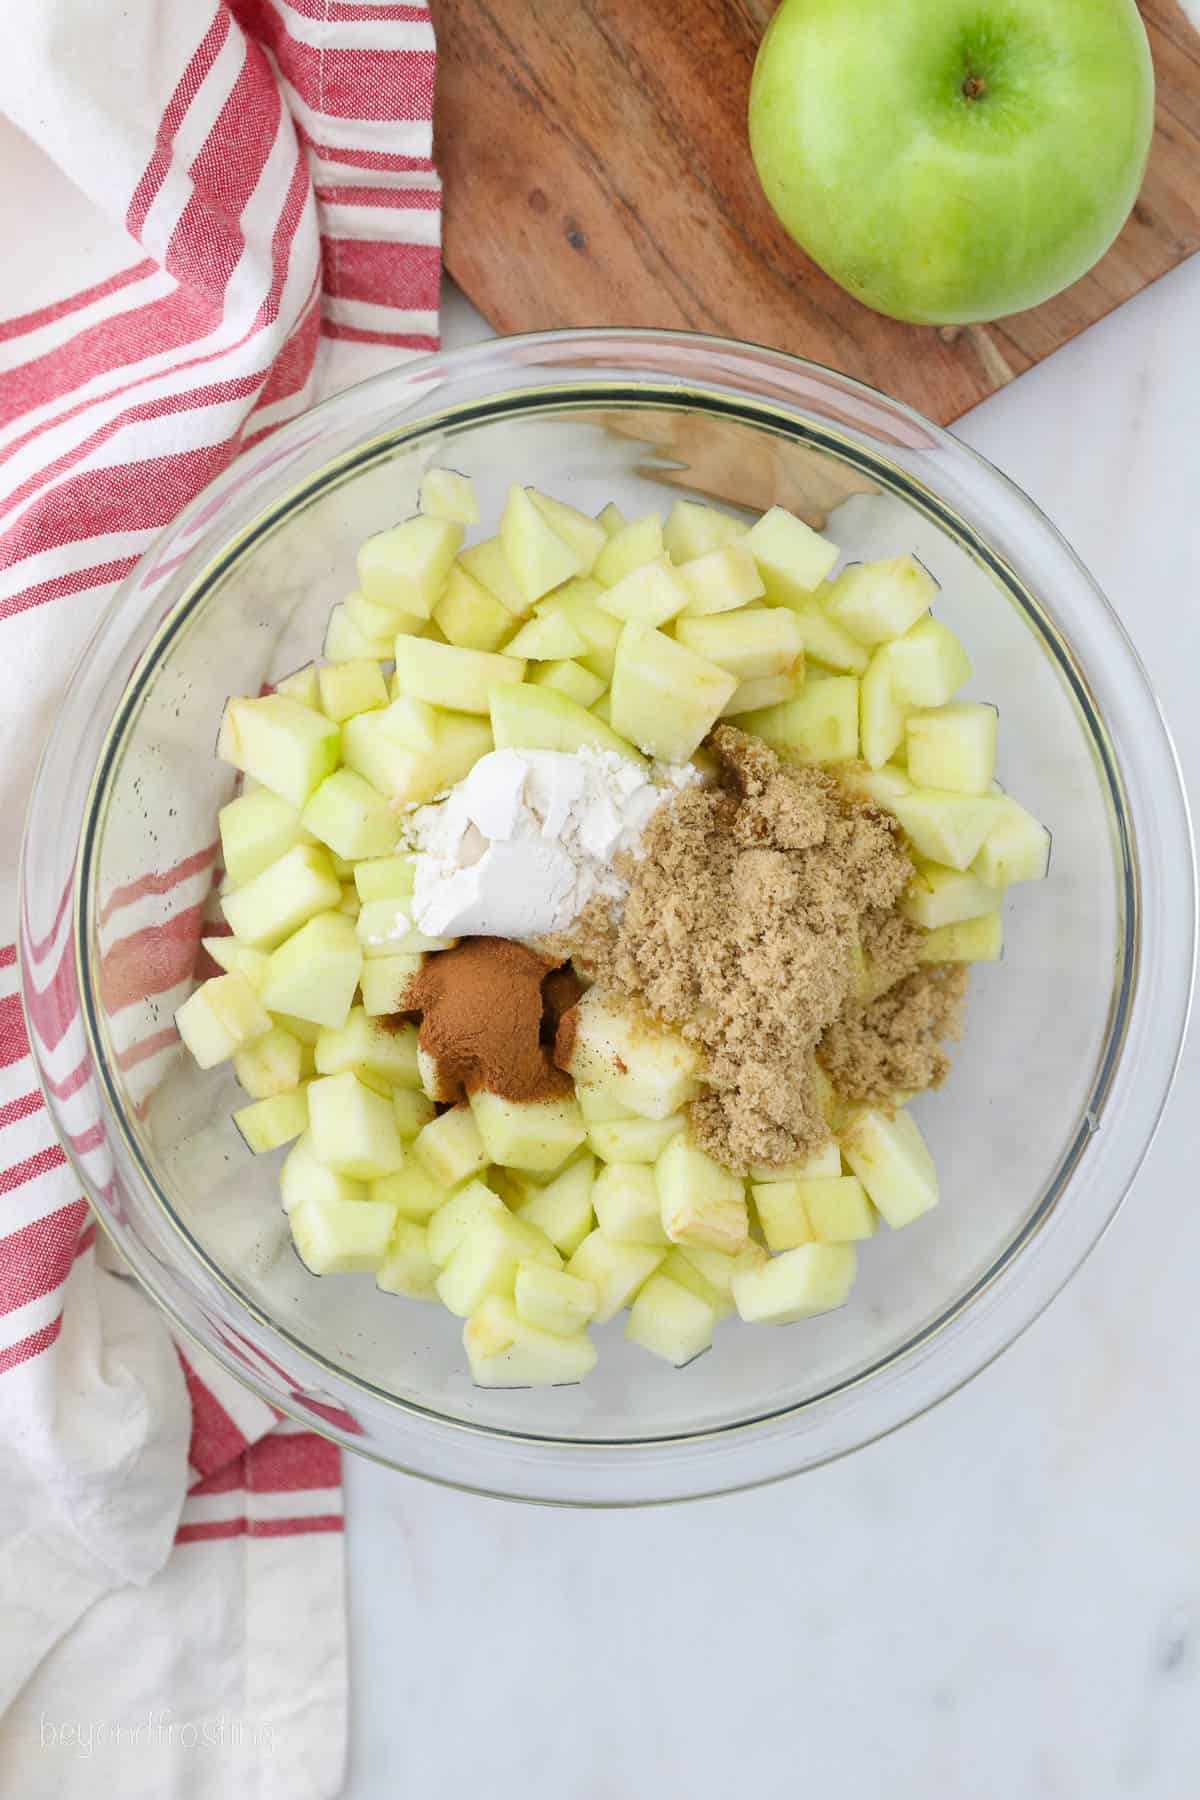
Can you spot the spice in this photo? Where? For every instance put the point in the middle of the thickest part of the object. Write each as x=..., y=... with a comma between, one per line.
x=741, y=926
x=485, y=1014
x=895, y=1042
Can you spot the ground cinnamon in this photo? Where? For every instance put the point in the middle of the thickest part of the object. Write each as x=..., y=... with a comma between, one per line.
x=484, y=1008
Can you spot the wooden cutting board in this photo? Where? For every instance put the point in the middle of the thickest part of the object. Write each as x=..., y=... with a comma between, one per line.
x=597, y=173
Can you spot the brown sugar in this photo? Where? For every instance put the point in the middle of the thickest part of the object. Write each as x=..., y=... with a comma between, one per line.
x=489, y=1009
x=896, y=1041
x=740, y=928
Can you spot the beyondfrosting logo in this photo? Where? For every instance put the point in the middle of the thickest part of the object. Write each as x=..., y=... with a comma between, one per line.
x=159, y=1730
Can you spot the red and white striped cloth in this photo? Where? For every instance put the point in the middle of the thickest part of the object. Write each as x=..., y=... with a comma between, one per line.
x=238, y=203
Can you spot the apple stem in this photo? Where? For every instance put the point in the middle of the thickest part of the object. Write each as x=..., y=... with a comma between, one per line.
x=974, y=87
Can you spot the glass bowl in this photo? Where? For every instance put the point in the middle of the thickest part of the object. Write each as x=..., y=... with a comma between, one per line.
x=1071, y=1042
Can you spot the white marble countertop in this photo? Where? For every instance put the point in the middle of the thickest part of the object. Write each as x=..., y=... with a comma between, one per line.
x=1002, y=1601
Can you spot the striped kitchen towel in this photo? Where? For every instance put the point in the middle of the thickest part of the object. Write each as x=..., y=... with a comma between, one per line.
x=227, y=209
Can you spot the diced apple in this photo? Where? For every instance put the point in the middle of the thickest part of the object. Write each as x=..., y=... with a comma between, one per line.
x=633, y=1140
x=586, y=536
x=721, y=580
x=346, y=641
x=929, y=664
x=385, y=928
x=407, y=1267
x=612, y=519
x=945, y=827
x=410, y=1189
x=385, y=980
x=539, y=1134
x=314, y=974
x=881, y=786
x=677, y=1268
x=223, y=1016
x=968, y=941
x=412, y=776
x=445, y=675
x=640, y=1065
x=377, y=627
x=285, y=746
x=693, y=530
x=457, y=1215
x=469, y=616
x=702, y=1203
x=665, y=698
x=413, y=1111
x=651, y=593
x=539, y=558
x=451, y=1148
x=407, y=566
x=889, y=1156
x=486, y=1261
x=766, y=690
x=353, y=1128
x=838, y=1209
x=781, y=1213
x=546, y=637
x=626, y=1203
x=819, y=726
x=540, y=718
x=487, y=564
x=552, y=1300
x=256, y=830
x=342, y=1237
x=302, y=685
x=445, y=494
x=792, y=558
x=569, y=678
x=270, y=1065
x=577, y=601
x=347, y=688
x=953, y=747
x=363, y=1043
x=503, y=1350
x=563, y=1208
x=1016, y=848
x=825, y=1162
x=281, y=898
x=413, y=723
x=639, y=543
x=825, y=641
x=385, y=877
x=719, y=1269
x=266, y=1124
x=876, y=601
x=304, y=1179
x=617, y=1270
x=938, y=896
x=813, y=1279
x=237, y=958
x=351, y=817
x=670, y=1321
x=304, y=1029
x=757, y=641
x=882, y=717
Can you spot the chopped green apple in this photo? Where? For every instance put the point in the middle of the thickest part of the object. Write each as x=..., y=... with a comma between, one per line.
x=407, y=1267
x=348, y=642
x=503, y=1350
x=718, y=1268
x=547, y=637
x=929, y=664
x=450, y=1147
x=702, y=1203
x=385, y=928
x=412, y=776
x=586, y=536
x=612, y=519
x=814, y=1278
x=385, y=980
x=377, y=626
x=616, y=1270
x=277, y=901
x=314, y=974
x=633, y=1140
x=639, y=543
x=792, y=558
x=757, y=695
x=539, y=558
x=347, y=688
x=537, y=1134
x=256, y=830
x=651, y=593
x=285, y=746
x=882, y=716
x=569, y=678
x=890, y=1158
x=410, y=1188
x=875, y=601
x=626, y=1203
x=266, y=1124
x=486, y=1261
x=304, y=1180
x=651, y=1070
x=953, y=747
x=445, y=494
x=757, y=641
x=353, y=1128
x=302, y=684
x=233, y=957
x=270, y=1065
x=578, y=602
x=563, y=1208
x=670, y=1321
x=665, y=698
x=540, y=718
x=825, y=641
x=1016, y=848
x=782, y=1215
x=969, y=940
x=721, y=580
x=938, y=896
x=364, y=1043
x=552, y=1300
x=407, y=566
x=469, y=616
x=384, y=877
x=946, y=827
x=693, y=530
x=351, y=817
x=487, y=564
x=457, y=1215
x=680, y=1270
x=819, y=726
x=224, y=1015
x=342, y=1237
x=838, y=1209
x=445, y=675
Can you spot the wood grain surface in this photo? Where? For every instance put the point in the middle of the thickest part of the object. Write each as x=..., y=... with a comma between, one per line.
x=597, y=173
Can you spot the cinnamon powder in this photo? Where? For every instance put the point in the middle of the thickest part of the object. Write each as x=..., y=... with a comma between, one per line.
x=489, y=1009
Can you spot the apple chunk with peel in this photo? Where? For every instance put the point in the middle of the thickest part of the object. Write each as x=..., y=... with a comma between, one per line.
x=616, y=1270
x=314, y=974
x=450, y=1147
x=487, y=1259
x=652, y=593
x=407, y=1267
x=721, y=581
x=362, y=1043
x=405, y=773
x=411, y=1190
x=875, y=601
x=280, y=899
x=540, y=559
x=563, y=1208
x=702, y=1203
x=458, y=1214
x=670, y=1321
x=539, y=1134
x=757, y=641
x=890, y=1158
x=929, y=664
x=342, y=1237
x=406, y=567
x=351, y=817
x=552, y=1300
x=625, y=1198
x=539, y=718
x=819, y=726
x=945, y=827
x=256, y=830
x=814, y=1278
x=220, y=1018
x=969, y=940
x=503, y=1350
x=353, y=1128
x=953, y=747
x=792, y=558
x=693, y=530
x=665, y=698
x=638, y=1064
x=586, y=536
x=938, y=896
x=1017, y=846
x=445, y=675
x=445, y=494
x=266, y=1124
x=270, y=1065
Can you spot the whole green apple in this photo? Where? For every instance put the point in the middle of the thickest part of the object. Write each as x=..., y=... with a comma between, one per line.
x=953, y=160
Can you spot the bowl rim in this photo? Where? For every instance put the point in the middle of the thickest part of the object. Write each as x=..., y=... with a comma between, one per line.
x=612, y=340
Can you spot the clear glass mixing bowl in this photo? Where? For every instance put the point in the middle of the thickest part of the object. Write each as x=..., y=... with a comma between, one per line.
x=1072, y=1041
